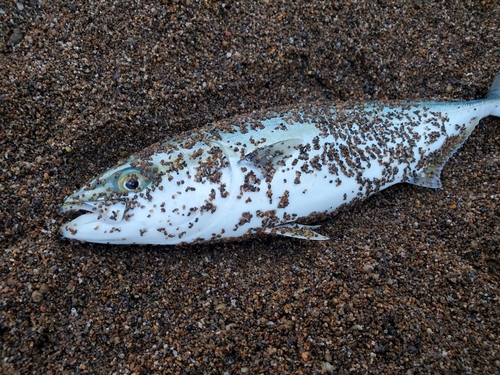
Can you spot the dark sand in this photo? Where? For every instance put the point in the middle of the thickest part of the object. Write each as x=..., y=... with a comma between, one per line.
x=408, y=283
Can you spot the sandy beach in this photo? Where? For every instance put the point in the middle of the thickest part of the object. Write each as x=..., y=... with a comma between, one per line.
x=408, y=282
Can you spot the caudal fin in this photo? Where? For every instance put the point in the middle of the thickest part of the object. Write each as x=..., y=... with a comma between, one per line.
x=494, y=94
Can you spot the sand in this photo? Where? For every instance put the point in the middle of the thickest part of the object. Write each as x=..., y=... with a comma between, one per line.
x=408, y=282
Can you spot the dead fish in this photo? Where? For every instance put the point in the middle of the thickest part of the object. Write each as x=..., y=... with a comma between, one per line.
x=270, y=171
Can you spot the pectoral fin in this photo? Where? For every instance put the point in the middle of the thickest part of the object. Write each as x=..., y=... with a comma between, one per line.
x=269, y=158
x=304, y=232
x=274, y=153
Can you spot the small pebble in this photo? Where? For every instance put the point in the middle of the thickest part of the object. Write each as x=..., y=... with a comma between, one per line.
x=327, y=368
x=36, y=296
x=16, y=37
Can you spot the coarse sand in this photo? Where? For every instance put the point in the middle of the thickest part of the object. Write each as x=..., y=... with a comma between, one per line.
x=408, y=282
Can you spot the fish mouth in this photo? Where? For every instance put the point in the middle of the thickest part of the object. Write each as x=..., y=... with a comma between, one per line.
x=102, y=210
x=102, y=223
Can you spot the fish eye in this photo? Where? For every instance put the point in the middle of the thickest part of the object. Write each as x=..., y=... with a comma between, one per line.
x=131, y=180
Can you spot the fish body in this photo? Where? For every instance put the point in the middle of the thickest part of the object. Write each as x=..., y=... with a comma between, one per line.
x=269, y=171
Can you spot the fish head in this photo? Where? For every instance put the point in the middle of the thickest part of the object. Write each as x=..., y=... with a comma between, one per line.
x=110, y=199
x=167, y=197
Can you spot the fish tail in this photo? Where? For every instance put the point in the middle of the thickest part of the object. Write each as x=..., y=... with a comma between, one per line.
x=494, y=95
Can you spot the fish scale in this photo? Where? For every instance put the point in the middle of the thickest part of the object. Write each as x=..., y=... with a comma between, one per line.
x=272, y=171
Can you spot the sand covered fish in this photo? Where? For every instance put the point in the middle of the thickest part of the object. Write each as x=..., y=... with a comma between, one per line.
x=269, y=171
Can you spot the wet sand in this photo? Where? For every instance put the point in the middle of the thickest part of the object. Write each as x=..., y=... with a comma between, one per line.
x=408, y=282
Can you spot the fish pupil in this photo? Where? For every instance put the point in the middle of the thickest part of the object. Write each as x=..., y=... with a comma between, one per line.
x=132, y=184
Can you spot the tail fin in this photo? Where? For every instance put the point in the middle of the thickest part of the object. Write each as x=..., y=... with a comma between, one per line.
x=494, y=94
x=494, y=89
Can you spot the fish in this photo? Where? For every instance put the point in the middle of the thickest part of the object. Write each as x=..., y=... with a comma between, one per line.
x=273, y=171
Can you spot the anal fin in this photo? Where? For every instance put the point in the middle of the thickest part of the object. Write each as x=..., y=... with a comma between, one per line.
x=429, y=175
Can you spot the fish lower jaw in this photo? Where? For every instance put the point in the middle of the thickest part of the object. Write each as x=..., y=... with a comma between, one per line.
x=94, y=227
x=73, y=228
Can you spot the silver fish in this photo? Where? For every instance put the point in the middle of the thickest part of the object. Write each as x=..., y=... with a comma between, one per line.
x=269, y=171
